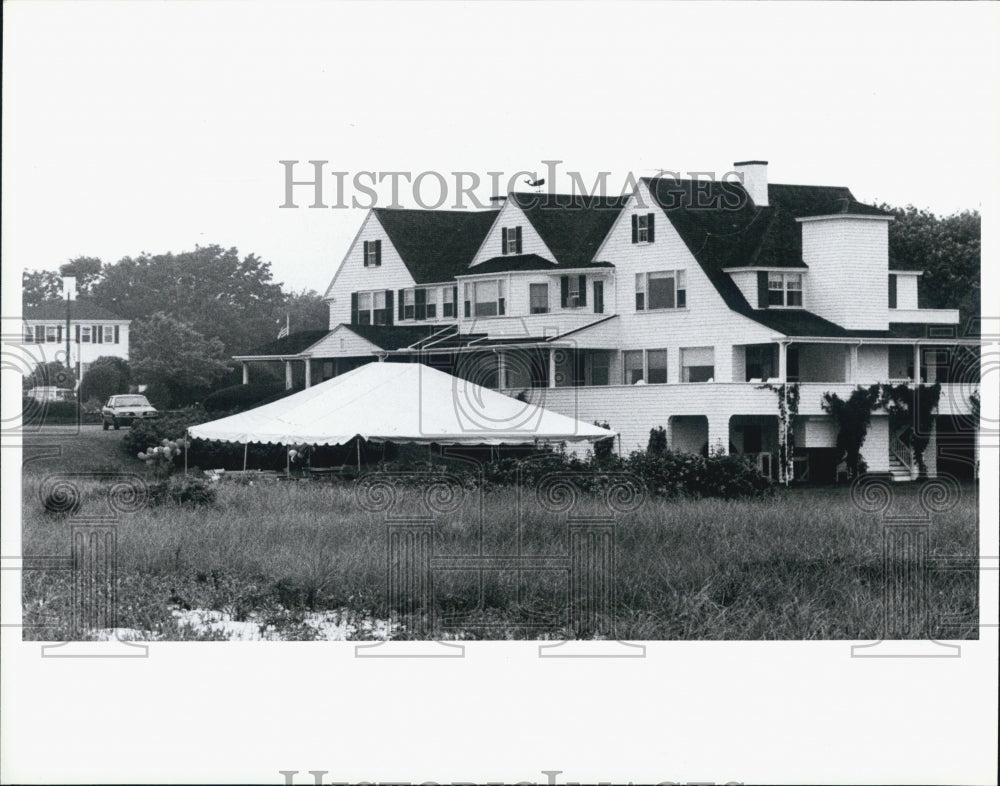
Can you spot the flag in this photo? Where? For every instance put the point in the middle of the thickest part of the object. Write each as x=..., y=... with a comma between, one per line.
x=284, y=331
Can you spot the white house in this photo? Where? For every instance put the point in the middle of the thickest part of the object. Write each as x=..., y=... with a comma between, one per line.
x=672, y=306
x=93, y=332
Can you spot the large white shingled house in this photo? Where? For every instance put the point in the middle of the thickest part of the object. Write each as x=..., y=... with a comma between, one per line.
x=673, y=306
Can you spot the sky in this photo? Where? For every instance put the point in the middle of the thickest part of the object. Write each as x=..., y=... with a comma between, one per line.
x=155, y=127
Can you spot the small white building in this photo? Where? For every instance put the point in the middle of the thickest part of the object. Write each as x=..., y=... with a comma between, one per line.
x=670, y=306
x=93, y=332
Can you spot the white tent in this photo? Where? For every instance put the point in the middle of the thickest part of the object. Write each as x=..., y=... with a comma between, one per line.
x=398, y=402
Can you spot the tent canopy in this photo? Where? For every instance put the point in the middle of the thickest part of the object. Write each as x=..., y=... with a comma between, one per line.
x=399, y=402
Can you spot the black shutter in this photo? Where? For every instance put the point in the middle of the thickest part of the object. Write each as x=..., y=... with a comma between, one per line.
x=400, y=304
x=501, y=306
x=99, y=333
x=364, y=254
x=650, y=218
x=388, y=307
x=116, y=334
x=454, y=301
x=635, y=228
x=564, y=291
x=503, y=242
x=762, y=289
x=78, y=334
x=892, y=291
x=598, y=297
x=517, y=238
x=583, y=291
x=354, y=307
x=59, y=336
x=468, y=309
x=378, y=253
x=420, y=304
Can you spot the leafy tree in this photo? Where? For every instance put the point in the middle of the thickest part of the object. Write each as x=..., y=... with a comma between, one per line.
x=306, y=311
x=51, y=374
x=174, y=359
x=107, y=376
x=40, y=286
x=87, y=271
x=947, y=249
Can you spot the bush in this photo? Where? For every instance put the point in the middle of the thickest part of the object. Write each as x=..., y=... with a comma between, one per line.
x=104, y=379
x=152, y=432
x=38, y=412
x=241, y=397
x=182, y=490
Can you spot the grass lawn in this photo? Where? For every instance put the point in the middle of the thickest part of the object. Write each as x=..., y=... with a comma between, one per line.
x=805, y=564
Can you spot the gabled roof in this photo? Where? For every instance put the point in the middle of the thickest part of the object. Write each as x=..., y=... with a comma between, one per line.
x=435, y=245
x=393, y=337
x=79, y=309
x=723, y=228
x=573, y=227
x=289, y=345
x=523, y=263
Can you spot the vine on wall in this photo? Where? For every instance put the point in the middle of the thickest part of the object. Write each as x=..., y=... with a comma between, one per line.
x=788, y=410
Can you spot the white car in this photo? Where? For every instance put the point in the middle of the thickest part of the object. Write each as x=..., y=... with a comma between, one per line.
x=126, y=409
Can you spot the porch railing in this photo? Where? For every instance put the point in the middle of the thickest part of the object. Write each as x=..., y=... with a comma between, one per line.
x=901, y=450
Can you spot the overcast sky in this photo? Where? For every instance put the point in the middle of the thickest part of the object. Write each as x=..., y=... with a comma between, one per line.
x=156, y=127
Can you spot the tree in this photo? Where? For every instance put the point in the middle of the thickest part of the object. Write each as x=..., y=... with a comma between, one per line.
x=40, y=286
x=107, y=376
x=51, y=374
x=175, y=360
x=86, y=270
x=306, y=311
x=947, y=249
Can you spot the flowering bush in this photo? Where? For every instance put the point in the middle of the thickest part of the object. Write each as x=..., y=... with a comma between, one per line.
x=160, y=459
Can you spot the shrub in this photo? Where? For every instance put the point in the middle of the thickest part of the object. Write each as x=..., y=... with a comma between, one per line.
x=241, y=397
x=38, y=412
x=106, y=377
x=182, y=490
x=153, y=431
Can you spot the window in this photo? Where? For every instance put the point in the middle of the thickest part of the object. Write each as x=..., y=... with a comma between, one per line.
x=761, y=361
x=573, y=291
x=380, y=314
x=698, y=364
x=40, y=334
x=511, y=240
x=784, y=289
x=85, y=334
x=373, y=253
x=372, y=308
x=484, y=298
x=448, y=308
x=600, y=368
x=660, y=290
x=539, y=298
x=52, y=333
x=29, y=334
x=430, y=306
x=409, y=307
x=598, y=297
x=632, y=366
x=364, y=308
x=642, y=228
x=656, y=362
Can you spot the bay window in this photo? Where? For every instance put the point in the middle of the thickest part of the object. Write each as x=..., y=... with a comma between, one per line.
x=784, y=289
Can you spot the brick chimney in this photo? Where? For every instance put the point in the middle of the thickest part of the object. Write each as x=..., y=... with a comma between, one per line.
x=754, y=175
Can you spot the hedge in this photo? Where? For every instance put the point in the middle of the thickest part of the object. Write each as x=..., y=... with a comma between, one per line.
x=241, y=397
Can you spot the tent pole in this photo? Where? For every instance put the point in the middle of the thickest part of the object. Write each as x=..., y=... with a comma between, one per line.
x=359, y=454
x=245, y=446
x=288, y=463
x=185, y=452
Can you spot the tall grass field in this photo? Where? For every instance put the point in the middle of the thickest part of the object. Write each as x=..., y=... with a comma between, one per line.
x=806, y=563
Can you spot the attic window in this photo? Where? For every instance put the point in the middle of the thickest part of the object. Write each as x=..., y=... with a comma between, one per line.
x=373, y=253
x=642, y=228
x=784, y=289
x=511, y=240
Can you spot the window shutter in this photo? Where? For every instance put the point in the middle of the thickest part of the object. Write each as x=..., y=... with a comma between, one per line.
x=78, y=334
x=635, y=228
x=378, y=253
x=40, y=334
x=354, y=308
x=97, y=331
x=59, y=335
x=468, y=308
x=892, y=291
x=650, y=217
x=503, y=241
x=454, y=299
x=564, y=290
x=517, y=239
x=598, y=297
x=501, y=306
x=583, y=291
x=116, y=334
x=364, y=254
x=420, y=304
x=399, y=305
x=388, y=307
x=762, y=289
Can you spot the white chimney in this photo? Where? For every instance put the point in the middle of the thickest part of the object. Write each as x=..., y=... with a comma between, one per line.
x=754, y=176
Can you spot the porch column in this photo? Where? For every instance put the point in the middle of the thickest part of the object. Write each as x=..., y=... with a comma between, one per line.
x=288, y=375
x=782, y=362
x=718, y=434
x=552, y=368
x=852, y=359
x=501, y=370
x=246, y=373
x=308, y=367
x=916, y=364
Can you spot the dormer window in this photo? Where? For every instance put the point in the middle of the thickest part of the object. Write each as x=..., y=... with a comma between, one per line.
x=784, y=289
x=573, y=291
x=642, y=228
x=373, y=253
x=511, y=240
